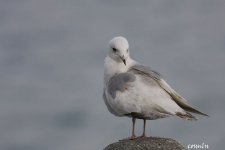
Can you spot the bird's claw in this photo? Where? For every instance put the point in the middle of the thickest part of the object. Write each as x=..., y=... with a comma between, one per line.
x=130, y=138
x=142, y=136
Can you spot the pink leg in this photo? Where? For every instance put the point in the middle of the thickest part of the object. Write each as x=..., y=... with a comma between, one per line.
x=143, y=134
x=133, y=127
x=133, y=136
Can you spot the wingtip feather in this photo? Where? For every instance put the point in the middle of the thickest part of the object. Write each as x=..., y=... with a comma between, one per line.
x=186, y=116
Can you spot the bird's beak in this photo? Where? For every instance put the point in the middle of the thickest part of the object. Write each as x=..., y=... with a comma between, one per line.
x=124, y=60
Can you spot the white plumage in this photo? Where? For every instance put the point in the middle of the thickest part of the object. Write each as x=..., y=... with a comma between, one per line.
x=134, y=90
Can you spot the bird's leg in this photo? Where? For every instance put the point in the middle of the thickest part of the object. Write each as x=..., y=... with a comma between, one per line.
x=143, y=134
x=133, y=136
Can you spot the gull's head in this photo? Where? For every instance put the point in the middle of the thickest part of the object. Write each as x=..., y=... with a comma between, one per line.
x=119, y=49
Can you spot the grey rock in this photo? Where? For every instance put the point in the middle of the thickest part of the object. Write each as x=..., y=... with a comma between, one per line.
x=149, y=143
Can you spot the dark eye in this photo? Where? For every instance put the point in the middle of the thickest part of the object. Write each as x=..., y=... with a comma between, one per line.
x=114, y=49
x=127, y=50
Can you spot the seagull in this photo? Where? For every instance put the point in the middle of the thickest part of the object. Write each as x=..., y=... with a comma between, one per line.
x=136, y=91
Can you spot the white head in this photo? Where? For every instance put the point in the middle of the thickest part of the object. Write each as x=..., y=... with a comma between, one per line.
x=119, y=49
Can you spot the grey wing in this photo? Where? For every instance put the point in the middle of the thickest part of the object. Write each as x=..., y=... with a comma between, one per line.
x=146, y=71
x=120, y=82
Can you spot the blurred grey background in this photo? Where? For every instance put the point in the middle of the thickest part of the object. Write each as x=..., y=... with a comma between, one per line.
x=51, y=69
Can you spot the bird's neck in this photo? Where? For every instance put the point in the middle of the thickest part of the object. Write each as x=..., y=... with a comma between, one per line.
x=111, y=67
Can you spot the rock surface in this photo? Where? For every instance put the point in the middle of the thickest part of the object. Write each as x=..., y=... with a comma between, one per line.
x=149, y=143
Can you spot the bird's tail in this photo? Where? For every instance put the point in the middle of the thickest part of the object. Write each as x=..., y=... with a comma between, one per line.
x=187, y=107
x=186, y=116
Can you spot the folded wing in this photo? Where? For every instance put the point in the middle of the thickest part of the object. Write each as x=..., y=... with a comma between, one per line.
x=147, y=72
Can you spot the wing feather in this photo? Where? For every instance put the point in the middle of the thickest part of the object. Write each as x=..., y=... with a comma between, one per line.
x=146, y=71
